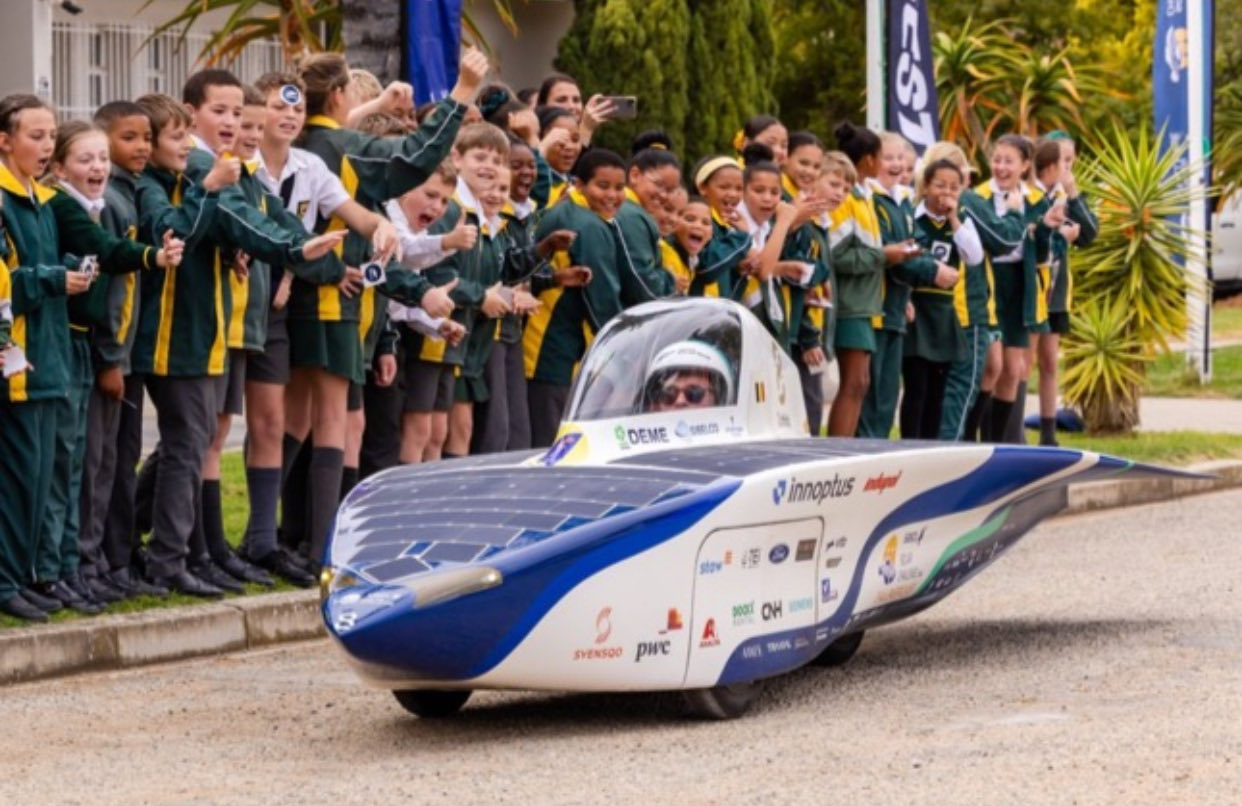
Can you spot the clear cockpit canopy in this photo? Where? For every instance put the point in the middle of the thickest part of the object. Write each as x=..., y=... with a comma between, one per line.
x=675, y=357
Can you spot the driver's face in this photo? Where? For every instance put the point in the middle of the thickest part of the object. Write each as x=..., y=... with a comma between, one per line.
x=688, y=389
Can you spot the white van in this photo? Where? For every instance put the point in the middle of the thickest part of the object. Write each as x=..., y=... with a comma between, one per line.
x=1227, y=247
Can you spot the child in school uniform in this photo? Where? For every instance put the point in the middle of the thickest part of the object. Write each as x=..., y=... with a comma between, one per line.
x=680, y=249
x=719, y=180
x=935, y=339
x=31, y=401
x=1079, y=229
x=895, y=212
x=768, y=220
x=584, y=292
x=80, y=168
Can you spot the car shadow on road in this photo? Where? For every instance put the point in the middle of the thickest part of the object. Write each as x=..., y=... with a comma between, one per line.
x=887, y=653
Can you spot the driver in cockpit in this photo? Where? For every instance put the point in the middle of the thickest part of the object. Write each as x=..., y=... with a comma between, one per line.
x=687, y=375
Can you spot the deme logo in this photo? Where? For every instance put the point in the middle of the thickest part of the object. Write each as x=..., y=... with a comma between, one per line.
x=640, y=436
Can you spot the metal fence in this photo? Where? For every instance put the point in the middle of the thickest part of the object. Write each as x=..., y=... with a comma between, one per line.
x=94, y=64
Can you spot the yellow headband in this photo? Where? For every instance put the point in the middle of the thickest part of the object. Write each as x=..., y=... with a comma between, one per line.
x=711, y=166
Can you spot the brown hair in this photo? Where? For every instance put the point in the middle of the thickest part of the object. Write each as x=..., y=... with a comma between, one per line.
x=446, y=171
x=382, y=124
x=110, y=113
x=12, y=106
x=251, y=96
x=1047, y=153
x=369, y=87
x=194, y=92
x=163, y=111
x=944, y=150
x=839, y=163
x=482, y=135
x=322, y=74
x=69, y=133
x=277, y=79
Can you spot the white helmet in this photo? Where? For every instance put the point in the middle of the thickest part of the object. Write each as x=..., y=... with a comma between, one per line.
x=691, y=355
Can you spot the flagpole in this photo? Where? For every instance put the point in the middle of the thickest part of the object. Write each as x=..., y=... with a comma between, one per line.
x=1198, y=299
x=875, y=65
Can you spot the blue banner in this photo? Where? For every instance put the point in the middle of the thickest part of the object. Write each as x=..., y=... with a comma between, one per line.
x=1169, y=73
x=433, y=45
x=913, y=111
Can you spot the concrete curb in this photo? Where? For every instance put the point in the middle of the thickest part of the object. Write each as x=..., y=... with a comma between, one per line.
x=137, y=639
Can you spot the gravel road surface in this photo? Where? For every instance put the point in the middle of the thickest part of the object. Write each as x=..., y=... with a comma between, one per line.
x=1099, y=662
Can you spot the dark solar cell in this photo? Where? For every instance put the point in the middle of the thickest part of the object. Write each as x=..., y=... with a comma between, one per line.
x=403, y=567
x=452, y=552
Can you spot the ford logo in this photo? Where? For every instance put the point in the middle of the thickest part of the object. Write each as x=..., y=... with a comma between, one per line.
x=778, y=553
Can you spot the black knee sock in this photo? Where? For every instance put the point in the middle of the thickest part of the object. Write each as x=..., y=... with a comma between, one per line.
x=1047, y=430
x=264, y=490
x=197, y=547
x=144, y=493
x=324, y=487
x=1015, y=429
x=1001, y=409
x=213, y=520
x=293, y=500
x=349, y=477
x=979, y=421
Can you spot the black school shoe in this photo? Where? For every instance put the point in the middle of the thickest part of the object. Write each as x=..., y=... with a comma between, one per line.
x=186, y=583
x=281, y=564
x=93, y=590
x=134, y=585
x=214, y=575
x=48, y=604
x=70, y=598
x=18, y=607
x=243, y=571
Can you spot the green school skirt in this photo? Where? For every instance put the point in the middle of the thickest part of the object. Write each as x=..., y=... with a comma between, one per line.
x=1010, y=294
x=855, y=334
x=331, y=346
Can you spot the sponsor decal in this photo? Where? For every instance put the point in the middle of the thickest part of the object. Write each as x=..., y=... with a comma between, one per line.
x=686, y=430
x=880, y=483
x=761, y=394
x=781, y=645
x=888, y=568
x=752, y=557
x=744, y=613
x=827, y=592
x=674, y=621
x=800, y=642
x=707, y=567
x=752, y=652
x=728, y=557
x=833, y=545
x=709, y=638
x=817, y=491
x=832, y=562
x=913, y=537
x=778, y=554
x=561, y=448
x=603, y=629
x=798, y=605
x=806, y=551
x=651, y=435
x=652, y=649
x=772, y=610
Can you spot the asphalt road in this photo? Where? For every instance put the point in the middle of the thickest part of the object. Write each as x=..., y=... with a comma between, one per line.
x=1099, y=662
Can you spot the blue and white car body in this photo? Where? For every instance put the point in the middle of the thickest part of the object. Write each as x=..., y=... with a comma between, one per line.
x=697, y=549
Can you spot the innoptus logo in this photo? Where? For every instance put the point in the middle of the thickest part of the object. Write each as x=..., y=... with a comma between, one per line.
x=818, y=490
x=778, y=492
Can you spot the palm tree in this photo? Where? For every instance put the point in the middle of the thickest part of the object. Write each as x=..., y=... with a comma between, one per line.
x=972, y=66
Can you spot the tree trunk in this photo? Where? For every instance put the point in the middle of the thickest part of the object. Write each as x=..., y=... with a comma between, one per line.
x=1102, y=416
x=372, y=33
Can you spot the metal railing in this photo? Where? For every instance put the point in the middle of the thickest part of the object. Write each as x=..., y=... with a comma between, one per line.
x=94, y=64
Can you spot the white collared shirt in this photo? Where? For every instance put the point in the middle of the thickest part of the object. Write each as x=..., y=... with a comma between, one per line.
x=94, y=208
x=966, y=239
x=999, y=205
x=316, y=192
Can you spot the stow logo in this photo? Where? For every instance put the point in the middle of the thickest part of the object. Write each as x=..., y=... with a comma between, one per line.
x=771, y=611
x=744, y=613
x=685, y=429
x=888, y=568
x=880, y=483
x=712, y=566
x=652, y=649
x=778, y=553
x=640, y=436
x=709, y=638
x=798, y=605
x=827, y=593
x=674, y=621
x=603, y=629
x=817, y=491
x=806, y=550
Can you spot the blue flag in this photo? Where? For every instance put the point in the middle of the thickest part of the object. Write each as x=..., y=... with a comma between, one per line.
x=913, y=111
x=433, y=44
x=1169, y=73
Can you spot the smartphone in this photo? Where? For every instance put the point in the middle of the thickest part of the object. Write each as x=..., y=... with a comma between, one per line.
x=624, y=107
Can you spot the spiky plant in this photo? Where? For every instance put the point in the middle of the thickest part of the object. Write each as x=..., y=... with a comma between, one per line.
x=1130, y=284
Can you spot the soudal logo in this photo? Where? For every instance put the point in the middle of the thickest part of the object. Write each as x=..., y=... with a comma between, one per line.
x=880, y=483
x=772, y=610
x=815, y=490
x=652, y=649
x=709, y=638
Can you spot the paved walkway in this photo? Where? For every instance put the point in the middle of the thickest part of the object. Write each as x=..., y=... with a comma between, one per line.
x=1180, y=414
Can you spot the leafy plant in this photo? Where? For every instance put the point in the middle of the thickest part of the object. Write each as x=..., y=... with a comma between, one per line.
x=1130, y=284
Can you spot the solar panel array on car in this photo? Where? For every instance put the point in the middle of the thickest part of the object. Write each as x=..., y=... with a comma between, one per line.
x=755, y=457
x=418, y=518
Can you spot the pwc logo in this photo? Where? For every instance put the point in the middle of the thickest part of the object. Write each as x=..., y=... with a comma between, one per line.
x=652, y=649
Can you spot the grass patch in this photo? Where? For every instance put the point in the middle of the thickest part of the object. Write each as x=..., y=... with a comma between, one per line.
x=236, y=511
x=1168, y=376
x=1173, y=448
x=1227, y=318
